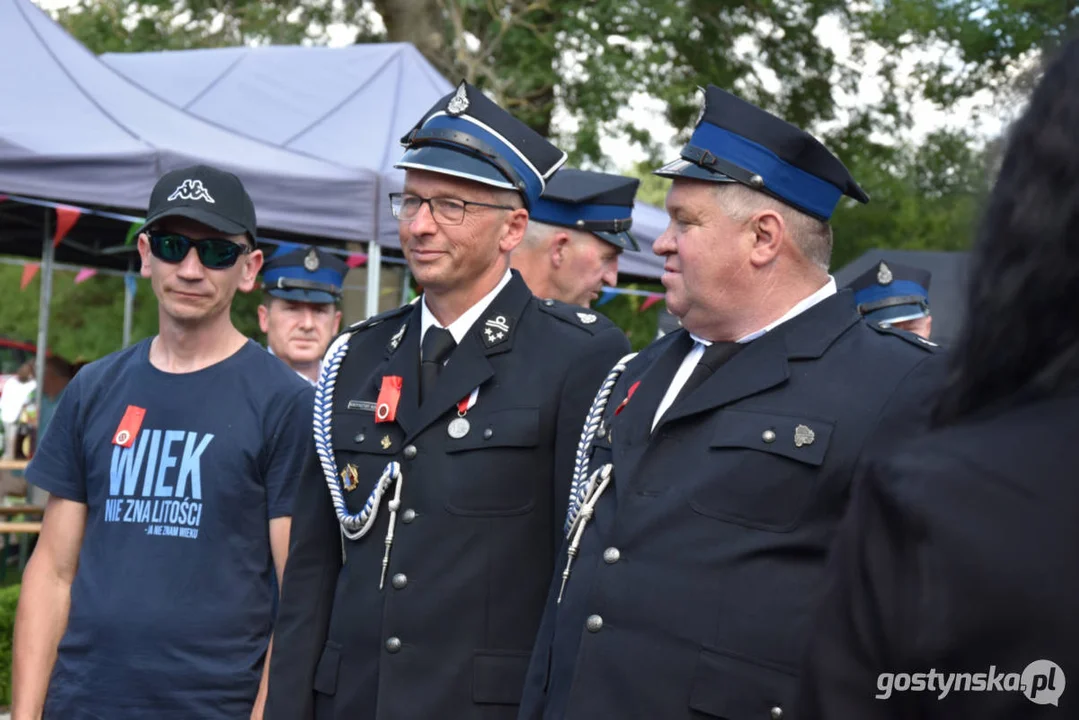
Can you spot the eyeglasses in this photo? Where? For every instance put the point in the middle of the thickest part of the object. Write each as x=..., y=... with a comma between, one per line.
x=214, y=253
x=446, y=211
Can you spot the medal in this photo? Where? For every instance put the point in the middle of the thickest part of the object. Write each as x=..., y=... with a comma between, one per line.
x=460, y=426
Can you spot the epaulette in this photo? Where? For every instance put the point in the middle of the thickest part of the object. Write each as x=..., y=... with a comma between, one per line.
x=378, y=319
x=580, y=317
x=912, y=338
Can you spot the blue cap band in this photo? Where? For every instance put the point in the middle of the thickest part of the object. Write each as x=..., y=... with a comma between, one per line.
x=897, y=288
x=556, y=213
x=292, y=272
x=780, y=178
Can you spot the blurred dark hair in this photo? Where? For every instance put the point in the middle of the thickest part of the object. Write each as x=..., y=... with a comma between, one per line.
x=1020, y=339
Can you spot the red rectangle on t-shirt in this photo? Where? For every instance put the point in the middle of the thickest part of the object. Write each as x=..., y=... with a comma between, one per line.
x=129, y=426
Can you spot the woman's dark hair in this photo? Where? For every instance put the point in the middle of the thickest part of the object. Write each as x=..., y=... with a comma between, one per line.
x=1020, y=339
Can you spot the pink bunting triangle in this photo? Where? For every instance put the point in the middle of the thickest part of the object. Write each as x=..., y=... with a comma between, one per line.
x=28, y=272
x=355, y=260
x=650, y=301
x=84, y=275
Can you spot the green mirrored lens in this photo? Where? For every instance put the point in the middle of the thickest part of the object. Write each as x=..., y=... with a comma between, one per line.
x=218, y=253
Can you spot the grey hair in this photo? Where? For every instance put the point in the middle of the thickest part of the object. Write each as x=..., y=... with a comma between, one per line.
x=812, y=236
x=537, y=233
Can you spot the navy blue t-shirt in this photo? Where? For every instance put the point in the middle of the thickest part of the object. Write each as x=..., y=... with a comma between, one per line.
x=172, y=605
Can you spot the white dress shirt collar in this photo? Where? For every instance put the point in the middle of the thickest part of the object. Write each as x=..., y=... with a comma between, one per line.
x=460, y=327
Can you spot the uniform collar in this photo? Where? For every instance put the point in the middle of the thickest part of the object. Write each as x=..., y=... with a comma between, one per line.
x=460, y=327
x=829, y=289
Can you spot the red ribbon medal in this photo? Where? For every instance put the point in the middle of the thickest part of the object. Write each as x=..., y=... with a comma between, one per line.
x=129, y=426
x=632, y=389
x=388, y=398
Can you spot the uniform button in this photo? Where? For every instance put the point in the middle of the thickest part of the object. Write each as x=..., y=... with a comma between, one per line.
x=393, y=645
x=400, y=580
x=601, y=432
x=359, y=438
x=408, y=515
x=777, y=713
x=594, y=623
x=768, y=436
x=488, y=434
x=548, y=303
x=410, y=452
x=611, y=555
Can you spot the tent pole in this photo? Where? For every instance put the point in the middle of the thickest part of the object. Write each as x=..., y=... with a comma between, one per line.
x=47, y=255
x=129, y=308
x=406, y=280
x=374, y=277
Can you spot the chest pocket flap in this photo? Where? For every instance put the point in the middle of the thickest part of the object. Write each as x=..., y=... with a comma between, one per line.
x=514, y=427
x=357, y=432
x=799, y=438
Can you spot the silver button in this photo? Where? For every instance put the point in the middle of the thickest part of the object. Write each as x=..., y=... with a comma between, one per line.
x=777, y=713
x=611, y=555
x=399, y=581
x=359, y=438
x=488, y=434
x=408, y=515
x=410, y=452
x=594, y=623
x=768, y=436
x=548, y=303
x=602, y=432
x=393, y=645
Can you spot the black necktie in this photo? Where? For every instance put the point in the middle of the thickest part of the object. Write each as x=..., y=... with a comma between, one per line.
x=437, y=345
x=714, y=356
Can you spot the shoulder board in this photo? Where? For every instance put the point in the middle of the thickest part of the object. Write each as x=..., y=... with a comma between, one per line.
x=912, y=338
x=581, y=317
x=378, y=319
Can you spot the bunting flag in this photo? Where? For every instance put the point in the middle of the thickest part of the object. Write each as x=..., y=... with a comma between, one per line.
x=66, y=217
x=130, y=283
x=84, y=275
x=3, y=198
x=650, y=301
x=605, y=297
x=355, y=260
x=132, y=233
x=29, y=270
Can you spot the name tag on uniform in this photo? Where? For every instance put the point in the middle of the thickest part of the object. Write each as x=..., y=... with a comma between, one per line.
x=129, y=426
x=362, y=405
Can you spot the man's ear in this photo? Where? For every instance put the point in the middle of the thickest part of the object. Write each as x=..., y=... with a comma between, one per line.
x=513, y=230
x=264, y=318
x=769, y=233
x=251, y=270
x=144, y=254
x=559, y=248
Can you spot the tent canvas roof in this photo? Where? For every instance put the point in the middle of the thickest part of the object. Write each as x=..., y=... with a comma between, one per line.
x=349, y=105
x=74, y=130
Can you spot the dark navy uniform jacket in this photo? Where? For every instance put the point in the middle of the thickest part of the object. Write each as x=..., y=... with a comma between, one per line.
x=958, y=556
x=694, y=587
x=476, y=534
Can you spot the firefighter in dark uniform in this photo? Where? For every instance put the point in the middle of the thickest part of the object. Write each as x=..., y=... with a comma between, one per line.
x=896, y=295
x=702, y=512
x=427, y=530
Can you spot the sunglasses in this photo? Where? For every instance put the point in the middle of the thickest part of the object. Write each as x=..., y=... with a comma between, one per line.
x=214, y=253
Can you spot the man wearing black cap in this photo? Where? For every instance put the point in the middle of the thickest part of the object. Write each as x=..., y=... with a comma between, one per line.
x=895, y=295
x=446, y=430
x=702, y=512
x=576, y=231
x=300, y=314
x=171, y=467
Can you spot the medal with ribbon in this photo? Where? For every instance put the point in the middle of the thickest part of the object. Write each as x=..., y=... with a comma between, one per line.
x=460, y=426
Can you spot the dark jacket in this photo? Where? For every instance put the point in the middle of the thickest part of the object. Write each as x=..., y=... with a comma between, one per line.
x=476, y=533
x=695, y=582
x=959, y=556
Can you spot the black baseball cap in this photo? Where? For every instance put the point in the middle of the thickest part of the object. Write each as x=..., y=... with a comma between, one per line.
x=206, y=195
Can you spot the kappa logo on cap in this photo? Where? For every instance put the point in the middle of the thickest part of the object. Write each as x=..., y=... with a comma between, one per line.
x=191, y=190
